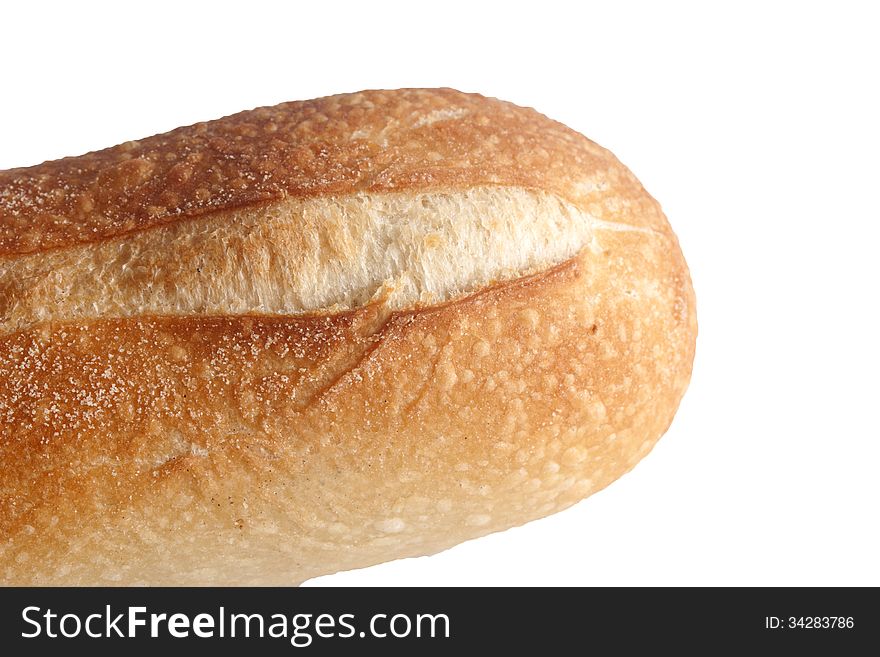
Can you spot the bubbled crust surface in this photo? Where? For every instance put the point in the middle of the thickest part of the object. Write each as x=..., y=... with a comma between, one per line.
x=199, y=444
x=267, y=450
x=373, y=141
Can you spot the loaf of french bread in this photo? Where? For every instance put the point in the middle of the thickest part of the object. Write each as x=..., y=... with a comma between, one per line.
x=323, y=335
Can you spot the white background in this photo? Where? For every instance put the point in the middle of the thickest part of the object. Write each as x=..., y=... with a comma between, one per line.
x=756, y=126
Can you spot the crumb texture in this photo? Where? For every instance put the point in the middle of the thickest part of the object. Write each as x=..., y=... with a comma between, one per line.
x=303, y=255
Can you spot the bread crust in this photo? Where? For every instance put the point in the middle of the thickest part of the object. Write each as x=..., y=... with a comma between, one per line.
x=172, y=448
x=325, y=254
x=372, y=141
x=216, y=447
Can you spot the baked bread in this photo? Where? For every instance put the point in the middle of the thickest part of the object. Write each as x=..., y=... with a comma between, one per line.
x=323, y=335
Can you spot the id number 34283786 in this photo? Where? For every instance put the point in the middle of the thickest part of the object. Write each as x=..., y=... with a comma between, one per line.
x=809, y=623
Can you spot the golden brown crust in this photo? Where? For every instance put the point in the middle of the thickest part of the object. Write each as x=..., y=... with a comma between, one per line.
x=180, y=423
x=164, y=450
x=372, y=141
